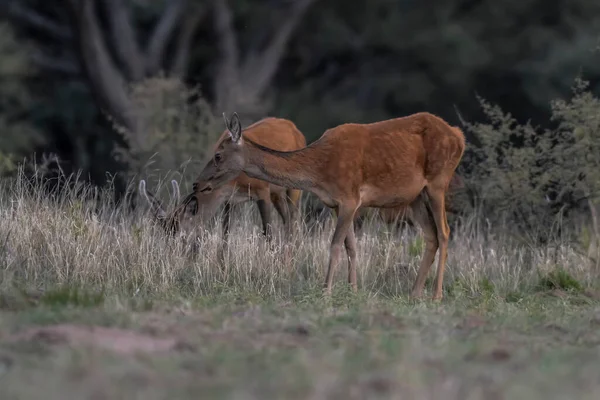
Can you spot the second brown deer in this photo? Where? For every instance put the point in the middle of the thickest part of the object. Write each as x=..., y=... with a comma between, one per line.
x=401, y=162
x=278, y=133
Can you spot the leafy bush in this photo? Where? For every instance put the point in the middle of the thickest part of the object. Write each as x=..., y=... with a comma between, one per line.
x=559, y=278
x=527, y=177
x=177, y=127
x=578, y=157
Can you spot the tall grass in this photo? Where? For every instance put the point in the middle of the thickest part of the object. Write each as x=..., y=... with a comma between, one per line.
x=81, y=240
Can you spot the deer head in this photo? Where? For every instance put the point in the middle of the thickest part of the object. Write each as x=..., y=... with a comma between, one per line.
x=228, y=159
x=181, y=218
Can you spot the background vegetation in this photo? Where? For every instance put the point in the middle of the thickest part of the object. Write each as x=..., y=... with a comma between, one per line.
x=113, y=89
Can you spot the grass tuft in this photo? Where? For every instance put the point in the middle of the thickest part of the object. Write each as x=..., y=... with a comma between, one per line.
x=561, y=279
x=72, y=296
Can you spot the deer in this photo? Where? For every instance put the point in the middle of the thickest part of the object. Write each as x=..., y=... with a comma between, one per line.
x=401, y=162
x=279, y=133
x=181, y=218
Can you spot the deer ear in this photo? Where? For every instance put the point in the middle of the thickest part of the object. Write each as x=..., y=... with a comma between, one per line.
x=154, y=203
x=235, y=128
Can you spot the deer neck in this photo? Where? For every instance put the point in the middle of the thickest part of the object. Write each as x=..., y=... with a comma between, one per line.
x=296, y=169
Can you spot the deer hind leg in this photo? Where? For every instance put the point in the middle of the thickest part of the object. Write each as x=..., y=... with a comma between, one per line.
x=422, y=216
x=344, y=223
x=226, y=221
x=281, y=208
x=293, y=206
x=437, y=199
x=350, y=244
x=264, y=208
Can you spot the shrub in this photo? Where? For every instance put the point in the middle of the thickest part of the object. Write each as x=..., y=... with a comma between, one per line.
x=527, y=177
x=177, y=128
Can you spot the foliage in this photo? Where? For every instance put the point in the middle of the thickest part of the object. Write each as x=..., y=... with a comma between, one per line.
x=532, y=176
x=510, y=180
x=384, y=58
x=579, y=132
x=559, y=279
x=375, y=60
x=177, y=128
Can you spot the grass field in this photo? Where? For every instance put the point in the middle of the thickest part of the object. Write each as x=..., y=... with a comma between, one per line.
x=97, y=303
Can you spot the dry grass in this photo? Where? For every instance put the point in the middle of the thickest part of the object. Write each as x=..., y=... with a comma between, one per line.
x=517, y=321
x=91, y=244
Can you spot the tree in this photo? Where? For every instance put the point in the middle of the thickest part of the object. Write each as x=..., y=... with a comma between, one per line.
x=18, y=136
x=115, y=45
x=105, y=35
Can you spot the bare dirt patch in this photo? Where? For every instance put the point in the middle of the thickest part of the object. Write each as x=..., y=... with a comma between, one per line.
x=118, y=340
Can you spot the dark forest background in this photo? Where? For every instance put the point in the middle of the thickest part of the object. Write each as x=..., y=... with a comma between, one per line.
x=114, y=89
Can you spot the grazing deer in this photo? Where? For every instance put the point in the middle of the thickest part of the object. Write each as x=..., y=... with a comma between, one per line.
x=277, y=133
x=181, y=218
x=401, y=162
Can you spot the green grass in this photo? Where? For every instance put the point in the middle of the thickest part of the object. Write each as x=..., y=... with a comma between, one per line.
x=517, y=321
x=541, y=347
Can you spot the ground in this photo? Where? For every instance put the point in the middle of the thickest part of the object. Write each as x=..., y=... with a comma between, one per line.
x=353, y=346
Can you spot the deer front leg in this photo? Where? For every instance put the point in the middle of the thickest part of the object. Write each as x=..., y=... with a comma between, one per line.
x=344, y=224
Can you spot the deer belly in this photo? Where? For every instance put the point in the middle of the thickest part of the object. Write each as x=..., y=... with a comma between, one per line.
x=395, y=196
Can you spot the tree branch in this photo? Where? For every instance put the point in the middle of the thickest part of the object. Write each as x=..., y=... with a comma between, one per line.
x=160, y=37
x=123, y=39
x=61, y=65
x=184, y=42
x=259, y=69
x=227, y=76
x=106, y=81
x=38, y=21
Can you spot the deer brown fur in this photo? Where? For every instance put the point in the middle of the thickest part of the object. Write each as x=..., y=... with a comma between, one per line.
x=397, y=216
x=277, y=133
x=401, y=162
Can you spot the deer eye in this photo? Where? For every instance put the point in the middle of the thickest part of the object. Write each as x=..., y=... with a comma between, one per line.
x=218, y=157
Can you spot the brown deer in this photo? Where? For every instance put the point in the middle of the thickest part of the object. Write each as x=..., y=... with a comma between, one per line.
x=277, y=133
x=401, y=162
x=181, y=219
